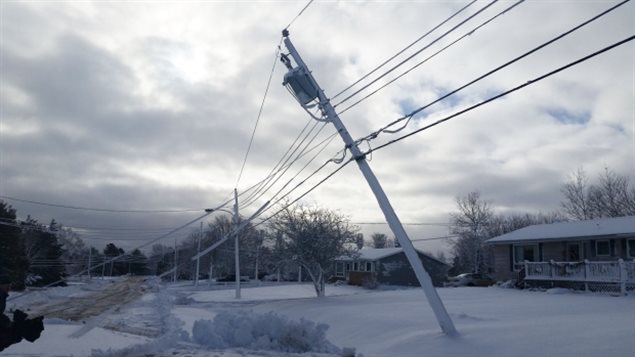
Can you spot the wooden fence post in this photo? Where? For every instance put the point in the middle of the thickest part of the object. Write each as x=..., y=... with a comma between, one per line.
x=551, y=270
x=623, y=277
x=586, y=275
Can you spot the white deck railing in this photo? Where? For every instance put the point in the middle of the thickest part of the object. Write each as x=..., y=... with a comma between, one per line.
x=618, y=272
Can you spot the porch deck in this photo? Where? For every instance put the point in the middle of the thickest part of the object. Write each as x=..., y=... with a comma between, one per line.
x=619, y=273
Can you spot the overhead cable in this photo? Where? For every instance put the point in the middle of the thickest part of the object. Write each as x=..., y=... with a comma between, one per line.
x=305, y=193
x=408, y=116
x=403, y=50
x=467, y=34
x=298, y=15
x=500, y=95
x=416, y=53
x=262, y=105
x=297, y=158
x=99, y=209
x=275, y=170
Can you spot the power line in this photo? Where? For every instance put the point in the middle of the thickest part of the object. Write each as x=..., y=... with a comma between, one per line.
x=283, y=169
x=416, y=53
x=304, y=167
x=404, y=49
x=407, y=117
x=298, y=15
x=280, y=163
x=560, y=69
x=442, y=120
x=262, y=105
x=297, y=158
x=467, y=34
x=98, y=209
x=306, y=192
x=407, y=224
x=434, y=238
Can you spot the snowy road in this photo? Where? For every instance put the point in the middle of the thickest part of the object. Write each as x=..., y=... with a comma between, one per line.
x=80, y=308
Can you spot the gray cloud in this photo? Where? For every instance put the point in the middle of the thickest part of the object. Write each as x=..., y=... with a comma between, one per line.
x=149, y=107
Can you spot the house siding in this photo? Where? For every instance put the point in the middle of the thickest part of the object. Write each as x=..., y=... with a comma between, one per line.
x=502, y=262
x=396, y=270
x=553, y=251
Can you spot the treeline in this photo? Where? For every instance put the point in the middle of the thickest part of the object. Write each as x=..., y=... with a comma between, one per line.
x=476, y=221
x=34, y=254
x=301, y=242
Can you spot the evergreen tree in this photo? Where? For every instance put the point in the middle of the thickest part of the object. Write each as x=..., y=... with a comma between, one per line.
x=138, y=263
x=44, y=253
x=118, y=266
x=379, y=240
x=13, y=261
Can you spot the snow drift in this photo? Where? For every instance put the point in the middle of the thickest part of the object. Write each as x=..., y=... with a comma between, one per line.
x=268, y=331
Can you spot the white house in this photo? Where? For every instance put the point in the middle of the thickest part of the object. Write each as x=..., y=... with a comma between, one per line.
x=598, y=250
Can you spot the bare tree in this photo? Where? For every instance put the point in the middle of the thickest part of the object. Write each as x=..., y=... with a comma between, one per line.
x=313, y=238
x=612, y=196
x=471, y=224
x=576, y=203
x=379, y=240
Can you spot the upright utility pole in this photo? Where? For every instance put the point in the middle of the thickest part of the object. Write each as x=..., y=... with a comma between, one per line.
x=298, y=79
x=236, y=257
x=198, y=259
x=175, y=264
x=90, y=260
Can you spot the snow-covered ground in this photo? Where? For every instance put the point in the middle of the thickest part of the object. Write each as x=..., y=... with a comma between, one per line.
x=491, y=321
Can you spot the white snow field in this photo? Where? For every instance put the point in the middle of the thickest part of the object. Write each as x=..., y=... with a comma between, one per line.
x=491, y=321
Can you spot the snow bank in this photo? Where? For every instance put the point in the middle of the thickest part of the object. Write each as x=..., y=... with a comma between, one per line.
x=268, y=331
x=171, y=329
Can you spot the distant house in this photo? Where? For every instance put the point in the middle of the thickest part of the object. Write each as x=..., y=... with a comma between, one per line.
x=590, y=251
x=387, y=266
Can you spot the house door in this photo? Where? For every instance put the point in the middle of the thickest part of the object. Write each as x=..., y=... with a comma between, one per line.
x=574, y=252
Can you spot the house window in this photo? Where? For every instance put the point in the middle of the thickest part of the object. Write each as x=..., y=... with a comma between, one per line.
x=355, y=266
x=631, y=248
x=527, y=252
x=602, y=248
x=348, y=266
x=369, y=265
x=339, y=269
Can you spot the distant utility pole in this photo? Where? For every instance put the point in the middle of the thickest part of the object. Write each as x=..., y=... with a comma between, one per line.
x=175, y=262
x=236, y=256
x=198, y=260
x=90, y=260
x=306, y=89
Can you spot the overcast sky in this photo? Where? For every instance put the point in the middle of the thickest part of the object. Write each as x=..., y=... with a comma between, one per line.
x=150, y=106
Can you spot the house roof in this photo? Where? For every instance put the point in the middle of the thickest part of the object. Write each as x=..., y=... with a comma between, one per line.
x=579, y=230
x=380, y=253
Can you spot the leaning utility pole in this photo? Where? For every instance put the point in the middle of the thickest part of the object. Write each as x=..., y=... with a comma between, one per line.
x=306, y=89
x=236, y=257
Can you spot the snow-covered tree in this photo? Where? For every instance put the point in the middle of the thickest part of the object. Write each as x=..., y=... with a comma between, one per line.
x=75, y=253
x=313, y=238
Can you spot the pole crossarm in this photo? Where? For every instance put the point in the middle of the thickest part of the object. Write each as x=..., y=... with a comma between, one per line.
x=242, y=225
